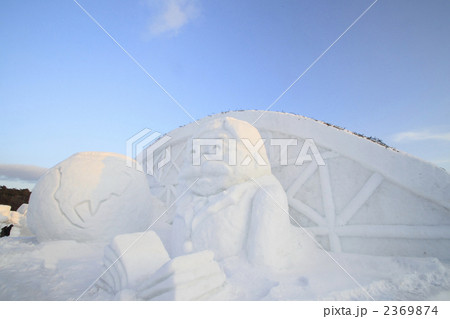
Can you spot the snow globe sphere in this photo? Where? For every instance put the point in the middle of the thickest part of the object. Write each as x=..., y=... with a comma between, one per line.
x=91, y=196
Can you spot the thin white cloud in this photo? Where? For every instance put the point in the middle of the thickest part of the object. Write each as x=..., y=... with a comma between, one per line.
x=420, y=136
x=171, y=15
x=28, y=173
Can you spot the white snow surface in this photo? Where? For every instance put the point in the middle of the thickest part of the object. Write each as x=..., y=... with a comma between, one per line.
x=230, y=236
x=91, y=196
x=63, y=270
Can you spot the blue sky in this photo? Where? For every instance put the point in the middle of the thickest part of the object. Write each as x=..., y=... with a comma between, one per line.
x=66, y=87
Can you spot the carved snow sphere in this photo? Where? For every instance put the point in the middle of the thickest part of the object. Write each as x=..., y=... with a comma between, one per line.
x=90, y=196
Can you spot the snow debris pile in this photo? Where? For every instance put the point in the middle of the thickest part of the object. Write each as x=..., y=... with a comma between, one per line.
x=91, y=196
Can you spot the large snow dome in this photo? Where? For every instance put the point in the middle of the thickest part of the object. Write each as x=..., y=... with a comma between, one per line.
x=91, y=196
x=366, y=199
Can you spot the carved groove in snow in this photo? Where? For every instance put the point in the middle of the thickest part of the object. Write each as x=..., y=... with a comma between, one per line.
x=84, y=209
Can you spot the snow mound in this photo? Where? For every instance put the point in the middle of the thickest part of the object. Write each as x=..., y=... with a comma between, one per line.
x=91, y=196
x=366, y=199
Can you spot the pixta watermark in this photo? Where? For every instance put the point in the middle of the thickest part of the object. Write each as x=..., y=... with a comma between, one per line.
x=218, y=149
x=148, y=146
x=142, y=147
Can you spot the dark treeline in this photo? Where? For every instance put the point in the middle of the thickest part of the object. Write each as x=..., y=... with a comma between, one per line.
x=14, y=197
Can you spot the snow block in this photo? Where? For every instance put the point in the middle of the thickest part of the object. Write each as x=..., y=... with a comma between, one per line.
x=5, y=212
x=130, y=259
x=190, y=277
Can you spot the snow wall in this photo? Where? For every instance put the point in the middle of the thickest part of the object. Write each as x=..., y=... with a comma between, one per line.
x=366, y=199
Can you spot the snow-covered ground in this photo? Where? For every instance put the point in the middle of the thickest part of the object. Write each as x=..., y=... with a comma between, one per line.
x=63, y=270
x=356, y=221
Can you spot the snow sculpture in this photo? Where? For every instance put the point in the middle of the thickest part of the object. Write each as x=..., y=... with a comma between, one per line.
x=138, y=267
x=234, y=204
x=3, y=219
x=233, y=207
x=131, y=258
x=19, y=220
x=5, y=213
x=191, y=277
x=91, y=196
x=367, y=198
x=16, y=219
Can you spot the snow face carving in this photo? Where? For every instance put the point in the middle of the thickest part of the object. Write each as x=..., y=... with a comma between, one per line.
x=232, y=209
x=91, y=196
